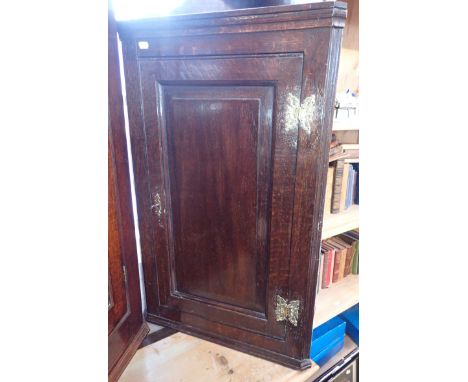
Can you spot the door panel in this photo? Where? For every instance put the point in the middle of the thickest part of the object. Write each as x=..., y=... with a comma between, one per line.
x=219, y=214
x=219, y=208
x=126, y=327
x=118, y=298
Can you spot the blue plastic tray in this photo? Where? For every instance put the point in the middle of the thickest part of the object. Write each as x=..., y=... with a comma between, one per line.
x=351, y=316
x=327, y=353
x=325, y=334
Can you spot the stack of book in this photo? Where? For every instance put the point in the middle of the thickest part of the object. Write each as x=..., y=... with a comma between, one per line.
x=340, y=150
x=342, y=189
x=351, y=150
x=337, y=152
x=339, y=257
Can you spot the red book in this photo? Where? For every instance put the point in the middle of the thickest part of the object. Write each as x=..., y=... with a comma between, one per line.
x=329, y=262
x=340, y=258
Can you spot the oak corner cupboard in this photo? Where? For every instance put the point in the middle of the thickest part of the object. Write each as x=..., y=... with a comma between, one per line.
x=230, y=123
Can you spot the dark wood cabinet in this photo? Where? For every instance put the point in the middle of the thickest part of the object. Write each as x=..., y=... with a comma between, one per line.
x=230, y=123
x=126, y=327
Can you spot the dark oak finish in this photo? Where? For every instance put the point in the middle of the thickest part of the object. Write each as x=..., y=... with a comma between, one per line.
x=126, y=327
x=211, y=180
x=230, y=123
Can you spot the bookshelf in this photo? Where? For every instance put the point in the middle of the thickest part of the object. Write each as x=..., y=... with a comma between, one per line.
x=340, y=296
x=334, y=224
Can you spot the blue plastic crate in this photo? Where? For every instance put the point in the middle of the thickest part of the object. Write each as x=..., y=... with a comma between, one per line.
x=326, y=334
x=351, y=316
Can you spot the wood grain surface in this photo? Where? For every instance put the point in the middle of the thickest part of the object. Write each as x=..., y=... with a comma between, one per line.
x=126, y=327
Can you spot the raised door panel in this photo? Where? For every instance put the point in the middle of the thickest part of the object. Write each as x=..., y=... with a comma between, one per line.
x=221, y=169
x=219, y=189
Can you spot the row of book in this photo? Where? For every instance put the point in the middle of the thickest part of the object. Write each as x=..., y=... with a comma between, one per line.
x=339, y=257
x=342, y=187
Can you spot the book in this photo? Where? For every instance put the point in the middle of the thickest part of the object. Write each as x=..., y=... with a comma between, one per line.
x=328, y=191
x=345, y=186
x=347, y=256
x=349, y=183
x=327, y=268
x=319, y=273
x=337, y=184
x=355, y=266
x=350, y=254
x=340, y=258
x=332, y=256
x=338, y=156
x=354, y=234
x=320, y=269
x=352, y=154
x=351, y=186
x=337, y=149
x=351, y=149
x=356, y=184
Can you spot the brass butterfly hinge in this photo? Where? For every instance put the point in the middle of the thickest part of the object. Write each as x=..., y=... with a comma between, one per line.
x=285, y=311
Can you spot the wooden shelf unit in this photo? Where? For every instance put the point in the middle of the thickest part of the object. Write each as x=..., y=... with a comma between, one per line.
x=336, y=299
x=334, y=224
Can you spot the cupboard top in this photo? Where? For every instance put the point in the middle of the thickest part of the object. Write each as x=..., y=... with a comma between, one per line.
x=269, y=18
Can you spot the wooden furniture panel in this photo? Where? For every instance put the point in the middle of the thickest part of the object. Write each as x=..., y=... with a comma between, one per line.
x=126, y=327
x=119, y=304
x=230, y=122
x=224, y=157
x=213, y=180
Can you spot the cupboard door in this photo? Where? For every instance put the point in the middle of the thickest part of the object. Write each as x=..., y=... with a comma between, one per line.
x=126, y=327
x=221, y=147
